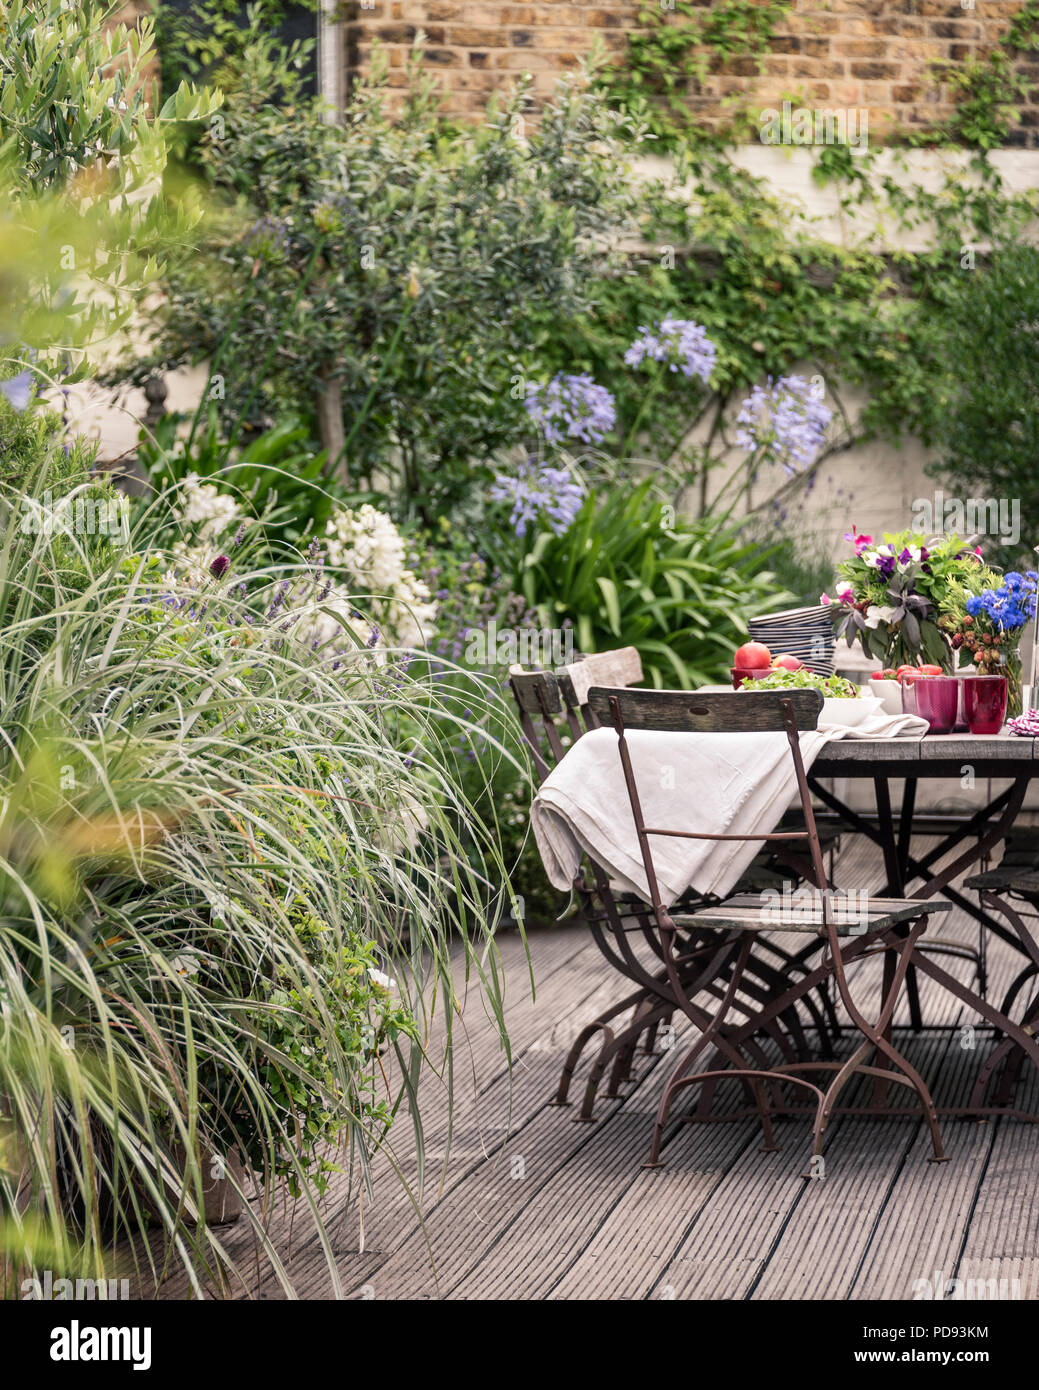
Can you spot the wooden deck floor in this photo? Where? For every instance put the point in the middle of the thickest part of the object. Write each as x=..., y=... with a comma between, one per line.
x=530, y=1204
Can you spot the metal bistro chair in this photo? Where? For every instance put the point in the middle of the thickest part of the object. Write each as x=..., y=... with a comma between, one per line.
x=739, y=920
x=623, y=667
x=554, y=713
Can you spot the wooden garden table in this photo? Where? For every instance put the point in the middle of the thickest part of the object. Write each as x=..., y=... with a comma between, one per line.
x=885, y=760
x=882, y=761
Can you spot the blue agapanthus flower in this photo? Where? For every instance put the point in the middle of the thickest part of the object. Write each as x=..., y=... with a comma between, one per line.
x=785, y=420
x=1009, y=606
x=572, y=407
x=535, y=491
x=682, y=344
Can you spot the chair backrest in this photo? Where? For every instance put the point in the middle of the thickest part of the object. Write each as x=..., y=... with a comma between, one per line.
x=554, y=704
x=619, y=668
x=541, y=712
x=764, y=711
x=712, y=712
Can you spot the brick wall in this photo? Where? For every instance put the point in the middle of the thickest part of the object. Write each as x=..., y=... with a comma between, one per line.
x=876, y=54
x=477, y=46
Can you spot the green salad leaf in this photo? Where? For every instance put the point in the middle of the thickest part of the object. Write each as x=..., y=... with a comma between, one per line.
x=832, y=687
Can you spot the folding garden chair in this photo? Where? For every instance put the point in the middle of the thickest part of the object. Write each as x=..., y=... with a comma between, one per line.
x=739, y=920
x=554, y=713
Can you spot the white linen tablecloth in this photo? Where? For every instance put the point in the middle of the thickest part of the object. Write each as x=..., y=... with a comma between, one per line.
x=718, y=784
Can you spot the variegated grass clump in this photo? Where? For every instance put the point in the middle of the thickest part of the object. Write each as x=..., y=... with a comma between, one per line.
x=233, y=859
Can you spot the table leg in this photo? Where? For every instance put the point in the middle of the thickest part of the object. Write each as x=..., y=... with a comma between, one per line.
x=905, y=826
x=921, y=867
x=892, y=867
x=896, y=853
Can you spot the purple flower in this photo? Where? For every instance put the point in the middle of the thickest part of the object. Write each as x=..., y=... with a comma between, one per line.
x=267, y=237
x=573, y=407
x=681, y=343
x=278, y=600
x=18, y=390
x=535, y=490
x=219, y=566
x=784, y=420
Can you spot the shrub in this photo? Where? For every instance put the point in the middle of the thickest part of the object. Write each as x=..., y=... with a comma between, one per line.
x=82, y=153
x=986, y=428
x=380, y=272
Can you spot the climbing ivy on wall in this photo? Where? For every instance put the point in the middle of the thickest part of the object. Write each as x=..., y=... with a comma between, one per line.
x=740, y=261
x=678, y=43
x=987, y=90
x=676, y=46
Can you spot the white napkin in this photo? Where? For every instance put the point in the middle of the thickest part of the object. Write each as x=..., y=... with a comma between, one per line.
x=718, y=784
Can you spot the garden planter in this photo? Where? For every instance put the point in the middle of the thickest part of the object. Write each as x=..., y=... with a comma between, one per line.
x=223, y=1178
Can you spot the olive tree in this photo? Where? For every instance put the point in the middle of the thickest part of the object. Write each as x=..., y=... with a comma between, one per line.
x=83, y=148
x=378, y=274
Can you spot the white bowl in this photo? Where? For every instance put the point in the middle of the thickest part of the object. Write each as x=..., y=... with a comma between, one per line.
x=889, y=693
x=850, y=712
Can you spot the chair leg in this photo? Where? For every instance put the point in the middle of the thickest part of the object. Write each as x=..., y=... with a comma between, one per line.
x=620, y=1072
x=712, y=1035
x=598, y=1025
x=614, y=1050
x=829, y=1098
x=930, y=1113
x=877, y=1033
x=1011, y=1056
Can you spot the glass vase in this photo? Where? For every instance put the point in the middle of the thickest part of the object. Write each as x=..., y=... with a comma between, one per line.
x=1011, y=668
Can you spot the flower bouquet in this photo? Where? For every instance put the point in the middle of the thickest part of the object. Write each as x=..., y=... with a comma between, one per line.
x=985, y=628
x=891, y=595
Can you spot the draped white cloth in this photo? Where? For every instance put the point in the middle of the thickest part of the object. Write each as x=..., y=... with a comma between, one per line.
x=719, y=784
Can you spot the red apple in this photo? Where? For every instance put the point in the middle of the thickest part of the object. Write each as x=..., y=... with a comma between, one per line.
x=752, y=656
x=787, y=662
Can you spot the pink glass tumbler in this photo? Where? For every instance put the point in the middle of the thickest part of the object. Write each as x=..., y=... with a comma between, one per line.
x=985, y=703
x=937, y=700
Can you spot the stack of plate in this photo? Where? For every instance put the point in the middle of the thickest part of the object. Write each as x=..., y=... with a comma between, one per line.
x=806, y=633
